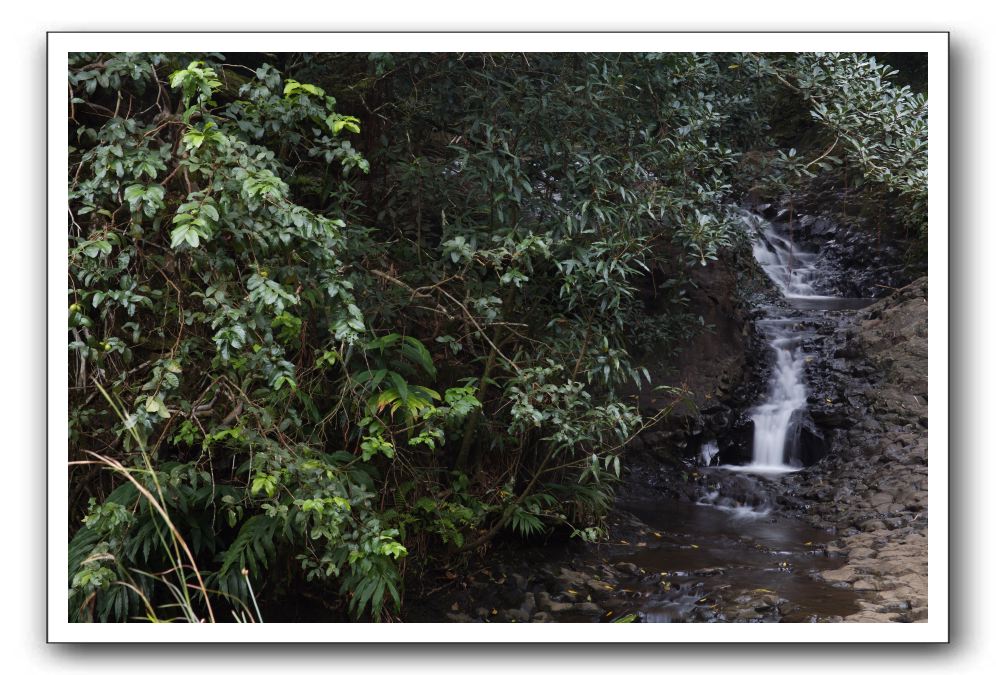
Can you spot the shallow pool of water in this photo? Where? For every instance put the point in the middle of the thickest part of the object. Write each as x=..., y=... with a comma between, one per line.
x=700, y=550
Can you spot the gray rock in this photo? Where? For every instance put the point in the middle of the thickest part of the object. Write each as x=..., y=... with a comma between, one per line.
x=627, y=568
x=516, y=615
x=588, y=608
x=528, y=603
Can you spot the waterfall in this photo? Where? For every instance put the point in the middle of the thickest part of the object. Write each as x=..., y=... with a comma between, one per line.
x=776, y=420
x=709, y=450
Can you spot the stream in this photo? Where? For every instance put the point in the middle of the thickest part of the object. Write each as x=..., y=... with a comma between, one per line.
x=738, y=543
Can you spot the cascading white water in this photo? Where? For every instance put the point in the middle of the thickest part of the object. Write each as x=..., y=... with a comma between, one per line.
x=776, y=419
x=791, y=270
x=709, y=450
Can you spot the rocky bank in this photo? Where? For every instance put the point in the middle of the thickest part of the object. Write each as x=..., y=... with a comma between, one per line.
x=872, y=487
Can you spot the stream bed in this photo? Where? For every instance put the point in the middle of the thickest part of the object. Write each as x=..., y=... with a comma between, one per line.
x=710, y=556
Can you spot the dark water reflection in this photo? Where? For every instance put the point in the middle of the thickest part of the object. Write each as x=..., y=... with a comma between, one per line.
x=704, y=549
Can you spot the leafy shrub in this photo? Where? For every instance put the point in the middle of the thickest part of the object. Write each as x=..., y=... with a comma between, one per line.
x=351, y=334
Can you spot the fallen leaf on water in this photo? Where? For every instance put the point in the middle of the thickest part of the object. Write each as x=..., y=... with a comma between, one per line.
x=695, y=545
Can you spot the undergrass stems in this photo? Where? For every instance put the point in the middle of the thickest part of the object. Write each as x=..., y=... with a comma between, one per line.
x=178, y=541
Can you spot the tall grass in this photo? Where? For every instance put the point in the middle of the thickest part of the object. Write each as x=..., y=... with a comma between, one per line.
x=182, y=579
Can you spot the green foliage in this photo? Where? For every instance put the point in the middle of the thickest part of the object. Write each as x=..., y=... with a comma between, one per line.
x=351, y=335
x=872, y=123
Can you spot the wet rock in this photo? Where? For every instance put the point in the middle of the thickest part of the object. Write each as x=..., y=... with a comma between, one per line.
x=587, y=608
x=627, y=568
x=546, y=604
x=516, y=615
x=528, y=603
x=598, y=586
x=570, y=578
x=709, y=571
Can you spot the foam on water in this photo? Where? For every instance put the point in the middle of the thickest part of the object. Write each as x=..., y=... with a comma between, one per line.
x=708, y=452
